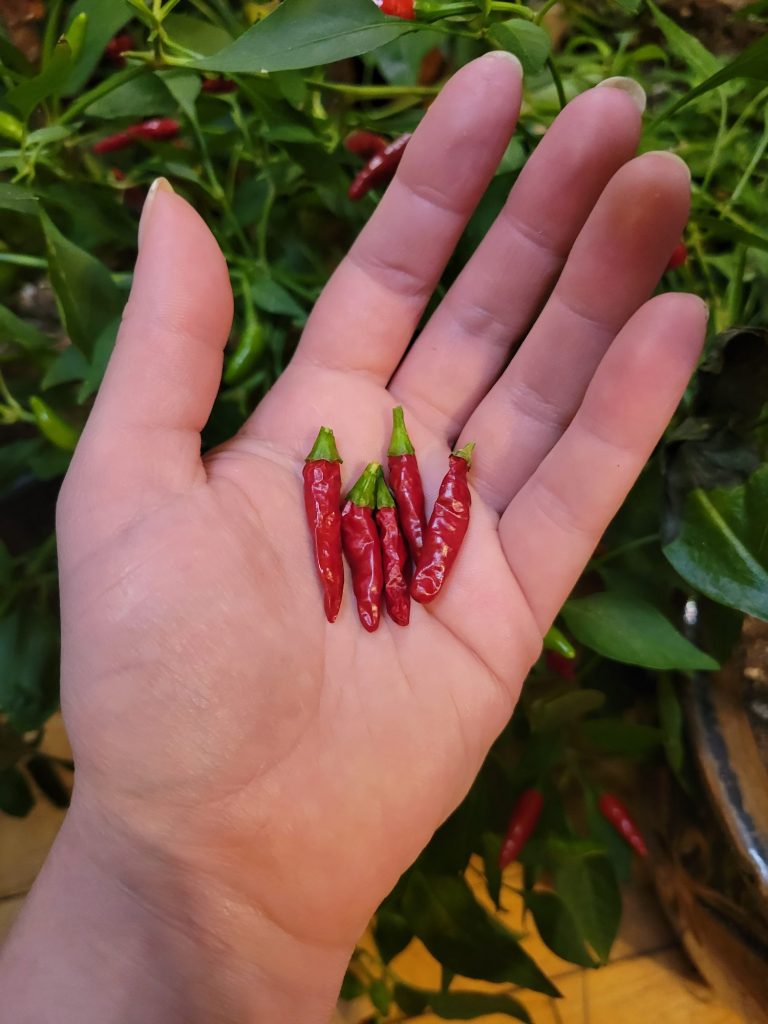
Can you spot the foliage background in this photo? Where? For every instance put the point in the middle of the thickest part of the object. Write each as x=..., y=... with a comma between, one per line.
x=265, y=165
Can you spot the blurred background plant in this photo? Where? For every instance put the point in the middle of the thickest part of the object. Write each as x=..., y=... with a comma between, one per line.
x=245, y=107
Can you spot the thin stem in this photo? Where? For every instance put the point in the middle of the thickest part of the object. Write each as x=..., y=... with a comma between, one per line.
x=719, y=139
x=757, y=156
x=51, y=30
x=374, y=92
x=541, y=14
x=558, y=82
x=512, y=8
x=632, y=545
x=736, y=288
x=18, y=259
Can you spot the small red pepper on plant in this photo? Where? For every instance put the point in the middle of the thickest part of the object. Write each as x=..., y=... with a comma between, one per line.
x=362, y=547
x=380, y=168
x=447, y=529
x=157, y=128
x=365, y=144
x=522, y=823
x=679, y=256
x=614, y=812
x=219, y=86
x=394, y=556
x=322, y=500
x=405, y=480
x=117, y=46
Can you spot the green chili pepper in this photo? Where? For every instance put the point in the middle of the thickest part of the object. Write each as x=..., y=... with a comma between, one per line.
x=52, y=426
x=75, y=34
x=247, y=353
x=557, y=641
x=10, y=127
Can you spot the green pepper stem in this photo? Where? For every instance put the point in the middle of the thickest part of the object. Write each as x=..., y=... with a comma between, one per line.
x=401, y=442
x=363, y=494
x=384, y=497
x=324, y=449
x=465, y=452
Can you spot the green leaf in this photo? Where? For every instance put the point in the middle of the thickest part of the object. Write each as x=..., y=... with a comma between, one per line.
x=21, y=333
x=144, y=96
x=630, y=6
x=68, y=366
x=185, y=87
x=105, y=19
x=273, y=298
x=550, y=715
x=391, y=932
x=201, y=37
x=292, y=86
x=380, y=996
x=588, y=887
x=530, y=43
x=491, y=846
x=463, y=936
x=352, y=987
x=458, y=1005
x=87, y=297
x=722, y=544
x=26, y=96
x=629, y=629
x=752, y=63
x=305, y=33
x=619, y=738
x=557, y=927
x=15, y=794
x=684, y=46
x=28, y=676
x=17, y=199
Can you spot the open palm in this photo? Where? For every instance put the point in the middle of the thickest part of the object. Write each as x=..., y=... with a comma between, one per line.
x=219, y=722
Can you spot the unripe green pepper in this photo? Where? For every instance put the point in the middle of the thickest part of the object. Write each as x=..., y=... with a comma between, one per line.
x=52, y=426
x=247, y=353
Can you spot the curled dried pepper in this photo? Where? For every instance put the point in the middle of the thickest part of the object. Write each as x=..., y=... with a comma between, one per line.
x=679, y=256
x=522, y=823
x=322, y=499
x=365, y=144
x=380, y=168
x=447, y=529
x=614, y=812
x=405, y=479
x=362, y=547
x=394, y=556
x=157, y=128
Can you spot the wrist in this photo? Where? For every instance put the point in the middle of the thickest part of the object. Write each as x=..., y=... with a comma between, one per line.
x=139, y=930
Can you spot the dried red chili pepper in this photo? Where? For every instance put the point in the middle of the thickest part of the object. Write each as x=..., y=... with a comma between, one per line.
x=522, y=823
x=157, y=128
x=219, y=86
x=394, y=553
x=379, y=169
x=405, y=480
x=679, y=256
x=365, y=144
x=116, y=47
x=322, y=500
x=447, y=529
x=362, y=547
x=614, y=812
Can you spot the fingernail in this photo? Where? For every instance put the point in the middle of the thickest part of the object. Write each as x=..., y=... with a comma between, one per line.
x=671, y=156
x=158, y=185
x=503, y=55
x=632, y=88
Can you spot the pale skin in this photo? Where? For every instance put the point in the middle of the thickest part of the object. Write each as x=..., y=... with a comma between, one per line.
x=251, y=781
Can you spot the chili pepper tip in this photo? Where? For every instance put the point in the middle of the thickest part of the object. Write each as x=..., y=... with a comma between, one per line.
x=363, y=494
x=555, y=640
x=384, y=498
x=324, y=449
x=401, y=442
x=465, y=452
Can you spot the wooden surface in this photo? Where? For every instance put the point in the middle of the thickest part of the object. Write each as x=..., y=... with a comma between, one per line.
x=648, y=977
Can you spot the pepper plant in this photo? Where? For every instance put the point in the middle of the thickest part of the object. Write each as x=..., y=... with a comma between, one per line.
x=262, y=96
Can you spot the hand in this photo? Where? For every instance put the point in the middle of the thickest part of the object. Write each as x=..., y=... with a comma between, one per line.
x=247, y=768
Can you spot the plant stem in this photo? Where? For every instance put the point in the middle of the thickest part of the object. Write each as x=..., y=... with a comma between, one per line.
x=632, y=545
x=102, y=89
x=736, y=286
x=757, y=156
x=512, y=8
x=541, y=14
x=18, y=259
x=558, y=82
x=719, y=139
x=51, y=31
x=374, y=92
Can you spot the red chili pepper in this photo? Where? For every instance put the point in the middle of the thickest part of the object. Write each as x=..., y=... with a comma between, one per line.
x=365, y=144
x=117, y=47
x=322, y=500
x=394, y=556
x=379, y=169
x=522, y=823
x=560, y=665
x=614, y=811
x=405, y=479
x=398, y=8
x=679, y=256
x=218, y=86
x=363, y=547
x=447, y=529
x=147, y=131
